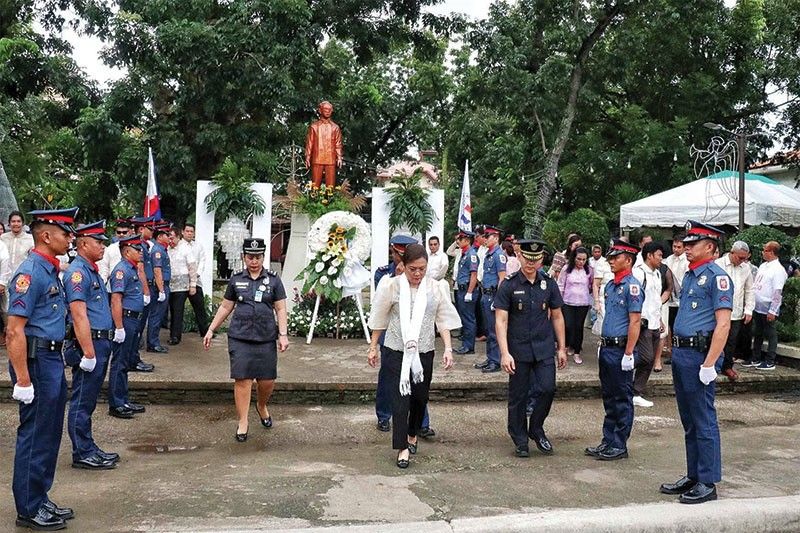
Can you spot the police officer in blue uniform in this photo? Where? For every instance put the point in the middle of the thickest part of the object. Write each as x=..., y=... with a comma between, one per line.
x=144, y=227
x=89, y=348
x=466, y=283
x=494, y=271
x=383, y=394
x=621, y=326
x=162, y=273
x=127, y=308
x=35, y=333
x=529, y=321
x=699, y=335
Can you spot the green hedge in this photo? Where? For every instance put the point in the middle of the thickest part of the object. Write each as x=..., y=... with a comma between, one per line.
x=788, y=325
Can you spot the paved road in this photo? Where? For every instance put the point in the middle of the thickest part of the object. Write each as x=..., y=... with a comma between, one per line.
x=328, y=466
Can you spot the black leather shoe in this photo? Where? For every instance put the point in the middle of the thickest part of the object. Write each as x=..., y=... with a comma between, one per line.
x=402, y=463
x=241, y=437
x=490, y=368
x=383, y=425
x=136, y=408
x=108, y=456
x=684, y=484
x=522, y=451
x=595, y=451
x=266, y=422
x=426, y=433
x=544, y=445
x=464, y=351
x=612, y=454
x=701, y=492
x=173, y=342
x=412, y=448
x=44, y=520
x=120, y=412
x=158, y=349
x=483, y=364
x=95, y=462
x=64, y=513
x=143, y=367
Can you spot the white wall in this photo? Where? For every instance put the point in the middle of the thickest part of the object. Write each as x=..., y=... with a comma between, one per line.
x=204, y=226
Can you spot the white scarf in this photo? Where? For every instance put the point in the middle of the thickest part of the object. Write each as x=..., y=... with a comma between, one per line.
x=410, y=327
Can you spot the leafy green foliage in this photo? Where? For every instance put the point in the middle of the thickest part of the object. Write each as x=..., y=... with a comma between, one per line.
x=592, y=227
x=409, y=206
x=332, y=317
x=788, y=325
x=234, y=194
x=757, y=236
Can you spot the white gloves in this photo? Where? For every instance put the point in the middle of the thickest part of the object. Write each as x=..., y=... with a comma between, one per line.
x=146, y=298
x=23, y=394
x=162, y=296
x=119, y=335
x=87, y=365
x=627, y=362
x=707, y=374
x=468, y=297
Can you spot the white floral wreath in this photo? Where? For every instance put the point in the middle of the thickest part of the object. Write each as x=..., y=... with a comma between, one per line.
x=318, y=234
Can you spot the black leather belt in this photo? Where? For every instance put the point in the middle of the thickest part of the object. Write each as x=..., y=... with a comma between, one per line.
x=613, y=341
x=104, y=334
x=39, y=343
x=463, y=287
x=701, y=342
x=132, y=314
x=489, y=290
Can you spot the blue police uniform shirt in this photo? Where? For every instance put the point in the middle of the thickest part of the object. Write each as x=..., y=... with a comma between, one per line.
x=493, y=263
x=467, y=264
x=148, y=261
x=125, y=280
x=530, y=332
x=621, y=299
x=36, y=293
x=704, y=290
x=386, y=270
x=82, y=283
x=160, y=259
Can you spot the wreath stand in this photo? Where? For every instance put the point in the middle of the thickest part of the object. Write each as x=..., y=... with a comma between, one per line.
x=357, y=298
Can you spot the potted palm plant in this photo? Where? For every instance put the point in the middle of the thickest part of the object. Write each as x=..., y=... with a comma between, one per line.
x=409, y=207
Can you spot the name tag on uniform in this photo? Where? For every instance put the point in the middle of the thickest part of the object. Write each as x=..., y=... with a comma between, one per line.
x=242, y=284
x=259, y=296
x=519, y=292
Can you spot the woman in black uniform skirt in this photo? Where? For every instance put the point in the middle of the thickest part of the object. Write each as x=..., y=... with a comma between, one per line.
x=255, y=296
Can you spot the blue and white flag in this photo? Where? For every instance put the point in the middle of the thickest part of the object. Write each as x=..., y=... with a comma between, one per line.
x=465, y=207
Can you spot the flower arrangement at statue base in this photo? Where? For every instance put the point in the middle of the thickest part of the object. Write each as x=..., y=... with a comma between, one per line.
x=335, y=320
x=338, y=243
x=318, y=201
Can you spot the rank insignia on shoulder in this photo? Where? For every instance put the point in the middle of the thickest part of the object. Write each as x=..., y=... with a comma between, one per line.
x=722, y=283
x=272, y=273
x=23, y=283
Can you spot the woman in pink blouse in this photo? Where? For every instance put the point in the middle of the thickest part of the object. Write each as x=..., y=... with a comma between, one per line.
x=575, y=282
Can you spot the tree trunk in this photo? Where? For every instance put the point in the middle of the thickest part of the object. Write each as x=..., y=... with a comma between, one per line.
x=548, y=183
x=8, y=202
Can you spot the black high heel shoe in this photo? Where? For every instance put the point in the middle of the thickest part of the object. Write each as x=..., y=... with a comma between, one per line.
x=240, y=437
x=266, y=422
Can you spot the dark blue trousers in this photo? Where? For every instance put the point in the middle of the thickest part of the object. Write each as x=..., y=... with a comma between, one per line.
x=141, y=328
x=85, y=389
x=466, y=310
x=520, y=384
x=157, y=313
x=39, y=433
x=492, y=349
x=123, y=357
x=383, y=394
x=698, y=416
x=617, y=388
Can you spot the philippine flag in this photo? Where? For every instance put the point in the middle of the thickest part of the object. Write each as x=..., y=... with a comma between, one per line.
x=152, y=207
x=465, y=207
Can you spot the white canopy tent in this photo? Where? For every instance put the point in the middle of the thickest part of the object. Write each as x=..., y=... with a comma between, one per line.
x=714, y=200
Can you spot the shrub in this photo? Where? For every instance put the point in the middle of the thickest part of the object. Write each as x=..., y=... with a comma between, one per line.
x=757, y=236
x=592, y=226
x=788, y=326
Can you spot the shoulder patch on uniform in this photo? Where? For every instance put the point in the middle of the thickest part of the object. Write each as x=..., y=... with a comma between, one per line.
x=723, y=283
x=634, y=289
x=76, y=277
x=503, y=258
x=120, y=274
x=158, y=255
x=23, y=283
x=473, y=258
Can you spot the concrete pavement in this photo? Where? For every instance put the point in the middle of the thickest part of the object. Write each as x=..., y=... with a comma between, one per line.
x=326, y=465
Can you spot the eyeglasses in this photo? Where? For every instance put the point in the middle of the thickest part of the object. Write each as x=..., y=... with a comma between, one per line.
x=122, y=232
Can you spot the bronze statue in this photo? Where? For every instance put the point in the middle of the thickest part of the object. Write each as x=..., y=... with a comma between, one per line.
x=324, y=147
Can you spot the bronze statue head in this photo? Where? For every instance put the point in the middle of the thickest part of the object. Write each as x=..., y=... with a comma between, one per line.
x=325, y=109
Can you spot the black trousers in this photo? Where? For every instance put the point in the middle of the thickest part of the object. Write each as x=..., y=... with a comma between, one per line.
x=520, y=385
x=730, y=344
x=574, y=318
x=177, y=303
x=407, y=411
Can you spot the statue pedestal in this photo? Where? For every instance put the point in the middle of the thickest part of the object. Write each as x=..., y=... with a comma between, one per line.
x=296, y=257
